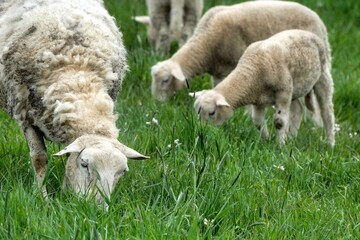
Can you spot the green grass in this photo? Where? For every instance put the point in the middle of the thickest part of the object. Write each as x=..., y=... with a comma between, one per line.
x=224, y=174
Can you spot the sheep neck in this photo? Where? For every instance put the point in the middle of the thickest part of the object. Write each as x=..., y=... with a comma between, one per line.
x=240, y=88
x=192, y=59
x=78, y=104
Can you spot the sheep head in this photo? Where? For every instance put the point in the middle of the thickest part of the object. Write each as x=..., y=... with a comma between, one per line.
x=212, y=106
x=95, y=165
x=167, y=78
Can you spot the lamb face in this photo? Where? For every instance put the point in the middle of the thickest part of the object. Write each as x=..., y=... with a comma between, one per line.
x=95, y=167
x=167, y=78
x=212, y=106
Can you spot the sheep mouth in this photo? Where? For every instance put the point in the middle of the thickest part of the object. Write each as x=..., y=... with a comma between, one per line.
x=163, y=96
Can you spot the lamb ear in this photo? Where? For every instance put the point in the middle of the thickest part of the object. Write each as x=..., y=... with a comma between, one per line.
x=73, y=147
x=142, y=19
x=222, y=102
x=177, y=72
x=197, y=94
x=131, y=153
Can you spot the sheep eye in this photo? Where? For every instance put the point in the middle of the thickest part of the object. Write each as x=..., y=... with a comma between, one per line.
x=84, y=163
x=121, y=172
x=212, y=113
x=165, y=80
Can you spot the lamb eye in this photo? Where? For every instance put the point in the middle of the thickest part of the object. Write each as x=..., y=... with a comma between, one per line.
x=165, y=80
x=212, y=113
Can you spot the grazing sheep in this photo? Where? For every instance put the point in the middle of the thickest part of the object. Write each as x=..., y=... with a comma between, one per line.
x=285, y=67
x=170, y=20
x=62, y=65
x=221, y=37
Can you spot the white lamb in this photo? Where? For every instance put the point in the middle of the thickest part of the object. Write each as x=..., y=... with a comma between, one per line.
x=62, y=65
x=171, y=20
x=276, y=71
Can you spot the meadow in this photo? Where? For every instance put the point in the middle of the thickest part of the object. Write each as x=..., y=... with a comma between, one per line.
x=202, y=182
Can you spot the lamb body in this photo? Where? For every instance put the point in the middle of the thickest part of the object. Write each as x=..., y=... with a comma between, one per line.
x=170, y=20
x=62, y=65
x=276, y=71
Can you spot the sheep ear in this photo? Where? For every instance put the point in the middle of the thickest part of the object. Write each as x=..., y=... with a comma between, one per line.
x=197, y=94
x=222, y=102
x=154, y=69
x=177, y=72
x=142, y=19
x=131, y=153
x=73, y=147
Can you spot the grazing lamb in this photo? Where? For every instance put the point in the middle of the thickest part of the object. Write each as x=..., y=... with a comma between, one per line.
x=285, y=67
x=170, y=20
x=61, y=68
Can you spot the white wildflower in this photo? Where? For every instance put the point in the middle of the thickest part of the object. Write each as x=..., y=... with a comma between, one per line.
x=282, y=168
x=337, y=127
x=153, y=121
x=176, y=143
x=353, y=134
x=208, y=222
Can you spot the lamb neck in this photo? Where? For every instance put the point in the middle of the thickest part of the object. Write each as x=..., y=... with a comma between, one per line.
x=239, y=88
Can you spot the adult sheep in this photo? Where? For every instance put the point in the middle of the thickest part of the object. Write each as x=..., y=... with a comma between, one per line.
x=170, y=20
x=62, y=65
x=275, y=71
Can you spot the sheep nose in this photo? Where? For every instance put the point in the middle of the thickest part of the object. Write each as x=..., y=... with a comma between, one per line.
x=101, y=202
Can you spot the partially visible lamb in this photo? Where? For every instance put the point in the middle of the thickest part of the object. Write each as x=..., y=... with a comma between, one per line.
x=62, y=65
x=276, y=71
x=171, y=20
